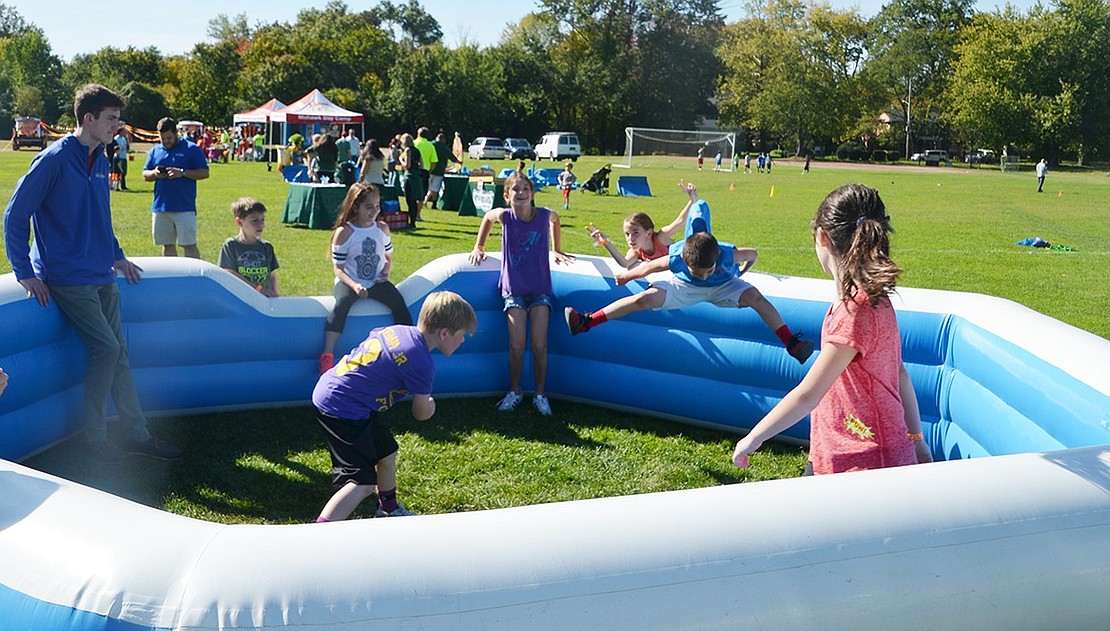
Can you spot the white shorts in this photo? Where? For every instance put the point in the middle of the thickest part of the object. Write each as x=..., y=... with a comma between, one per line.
x=435, y=183
x=174, y=228
x=681, y=294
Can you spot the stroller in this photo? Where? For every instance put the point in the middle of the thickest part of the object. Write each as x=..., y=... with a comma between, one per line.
x=599, y=181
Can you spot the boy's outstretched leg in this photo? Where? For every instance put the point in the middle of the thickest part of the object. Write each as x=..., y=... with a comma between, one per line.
x=798, y=348
x=579, y=322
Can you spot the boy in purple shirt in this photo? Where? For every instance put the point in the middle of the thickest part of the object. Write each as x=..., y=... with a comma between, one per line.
x=393, y=362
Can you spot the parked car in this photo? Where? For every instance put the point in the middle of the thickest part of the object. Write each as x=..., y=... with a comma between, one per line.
x=520, y=149
x=487, y=148
x=981, y=156
x=935, y=157
x=559, y=145
x=917, y=157
x=28, y=132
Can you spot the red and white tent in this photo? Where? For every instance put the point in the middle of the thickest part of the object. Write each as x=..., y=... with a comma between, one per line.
x=314, y=107
x=260, y=114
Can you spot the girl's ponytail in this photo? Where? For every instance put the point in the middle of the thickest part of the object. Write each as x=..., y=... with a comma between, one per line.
x=855, y=219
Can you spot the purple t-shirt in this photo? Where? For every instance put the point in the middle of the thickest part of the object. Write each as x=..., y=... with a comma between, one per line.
x=525, y=263
x=392, y=362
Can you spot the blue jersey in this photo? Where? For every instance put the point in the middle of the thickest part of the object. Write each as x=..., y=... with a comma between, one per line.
x=393, y=362
x=177, y=195
x=726, y=266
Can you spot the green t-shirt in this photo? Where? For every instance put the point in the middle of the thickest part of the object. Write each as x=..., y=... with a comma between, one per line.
x=427, y=152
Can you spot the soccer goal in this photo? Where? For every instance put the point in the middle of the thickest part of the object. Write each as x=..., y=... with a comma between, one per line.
x=640, y=142
x=1009, y=164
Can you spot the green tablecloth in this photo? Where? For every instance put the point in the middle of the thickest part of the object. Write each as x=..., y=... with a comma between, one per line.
x=313, y=205
x=477, y=201
x=454, y=187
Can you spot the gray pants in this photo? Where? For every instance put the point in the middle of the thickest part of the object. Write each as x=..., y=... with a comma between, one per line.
x=94, y=312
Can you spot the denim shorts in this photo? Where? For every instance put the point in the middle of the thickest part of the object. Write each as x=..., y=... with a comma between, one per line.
x=527, y=301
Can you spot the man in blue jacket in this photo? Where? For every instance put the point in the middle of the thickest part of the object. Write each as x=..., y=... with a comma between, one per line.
x=74, y=260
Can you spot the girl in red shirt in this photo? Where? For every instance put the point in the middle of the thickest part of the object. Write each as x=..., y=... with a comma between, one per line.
x=864, y=411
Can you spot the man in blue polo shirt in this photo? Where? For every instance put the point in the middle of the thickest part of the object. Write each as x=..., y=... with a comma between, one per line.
x=74, y=260
x=174, y=165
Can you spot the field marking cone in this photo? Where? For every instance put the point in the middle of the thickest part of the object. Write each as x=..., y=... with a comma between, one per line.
x=772, y=190
x=732, y=186
x=1060, y=195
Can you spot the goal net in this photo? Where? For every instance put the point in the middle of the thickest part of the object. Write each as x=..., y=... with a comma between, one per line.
x=640, y=142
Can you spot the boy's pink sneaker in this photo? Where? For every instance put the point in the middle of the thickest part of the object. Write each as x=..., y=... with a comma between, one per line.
x=327, y=360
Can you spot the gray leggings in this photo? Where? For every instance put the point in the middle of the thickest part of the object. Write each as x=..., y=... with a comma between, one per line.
x=384, y=292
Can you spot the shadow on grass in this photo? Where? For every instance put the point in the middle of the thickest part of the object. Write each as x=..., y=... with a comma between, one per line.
x=272, y=466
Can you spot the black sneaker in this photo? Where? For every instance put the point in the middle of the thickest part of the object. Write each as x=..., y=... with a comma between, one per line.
x=799, y=349
x=576, y=322
x=106, y=451
x=153, y=447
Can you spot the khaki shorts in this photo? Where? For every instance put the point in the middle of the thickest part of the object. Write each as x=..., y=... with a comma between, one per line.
x=174, y=228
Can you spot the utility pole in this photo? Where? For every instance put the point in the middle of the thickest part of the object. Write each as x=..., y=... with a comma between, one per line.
x=909, y=101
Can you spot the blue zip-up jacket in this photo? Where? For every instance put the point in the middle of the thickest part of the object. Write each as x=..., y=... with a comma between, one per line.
x=68, y=204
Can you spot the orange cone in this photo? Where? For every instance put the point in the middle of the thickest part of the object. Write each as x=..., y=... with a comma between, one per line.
x=1061, y=195
x=732, y=186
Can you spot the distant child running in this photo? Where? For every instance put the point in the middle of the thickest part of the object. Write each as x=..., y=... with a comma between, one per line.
x=566, y=182
x=864, y=412
x=393, y=362
x=704, y=271
x=525, y=281
x=644, y=242
x=362, y=255
x=247, y=254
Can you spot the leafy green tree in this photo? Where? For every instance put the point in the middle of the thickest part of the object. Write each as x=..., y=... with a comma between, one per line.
x=447, y=89
x=208, y=80
x=115, y=68
x=1022, y=79
x=145, y=105
x=792, y=72
x=417, y=26
x=912, y=50
x=26, y=60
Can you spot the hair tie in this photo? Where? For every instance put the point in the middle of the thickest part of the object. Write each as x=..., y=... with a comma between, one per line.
x=860, y=219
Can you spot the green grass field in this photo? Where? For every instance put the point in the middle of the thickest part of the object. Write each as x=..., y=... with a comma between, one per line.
x=956, y=230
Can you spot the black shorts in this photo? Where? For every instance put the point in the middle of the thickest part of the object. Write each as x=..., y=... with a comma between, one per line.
x=355, y=447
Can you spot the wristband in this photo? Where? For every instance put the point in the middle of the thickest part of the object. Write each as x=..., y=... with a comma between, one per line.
x=917, y=436
x=258, y=287
x=480, y=247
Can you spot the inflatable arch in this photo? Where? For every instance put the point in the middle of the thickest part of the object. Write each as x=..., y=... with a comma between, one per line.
x=1008, y=531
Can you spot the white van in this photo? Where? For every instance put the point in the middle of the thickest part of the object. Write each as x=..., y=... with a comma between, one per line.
x=559, y=145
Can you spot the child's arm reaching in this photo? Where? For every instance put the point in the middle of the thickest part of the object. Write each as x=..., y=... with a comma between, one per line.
x=832, y=361
x=557, y=240
x=624, y=260
x=478, y=254
x=913, y=416
x=679, y=222
x=642, y=270
x=746, y=257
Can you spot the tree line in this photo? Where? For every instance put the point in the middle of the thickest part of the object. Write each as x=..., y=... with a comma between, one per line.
x=791, y=75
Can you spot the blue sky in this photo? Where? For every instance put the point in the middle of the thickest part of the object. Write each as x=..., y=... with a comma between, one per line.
x=78, y=26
